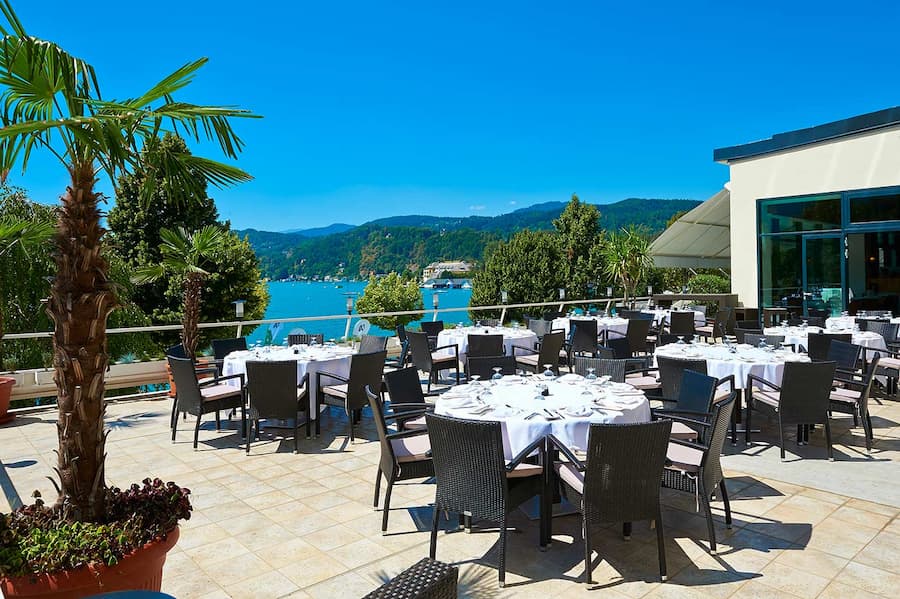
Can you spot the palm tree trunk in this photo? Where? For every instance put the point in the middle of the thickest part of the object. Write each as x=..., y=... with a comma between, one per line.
x=190, y=334
x=81, y=300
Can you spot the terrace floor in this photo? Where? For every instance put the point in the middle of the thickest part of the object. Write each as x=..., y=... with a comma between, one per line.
x=275, y=524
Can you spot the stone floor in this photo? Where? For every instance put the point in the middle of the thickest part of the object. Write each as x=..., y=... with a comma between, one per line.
x=275, y=524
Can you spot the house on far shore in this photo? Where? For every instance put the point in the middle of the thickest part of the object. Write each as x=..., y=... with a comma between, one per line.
x=456, y=268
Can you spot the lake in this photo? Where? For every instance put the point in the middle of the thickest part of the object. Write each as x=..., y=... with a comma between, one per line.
x=301, y=298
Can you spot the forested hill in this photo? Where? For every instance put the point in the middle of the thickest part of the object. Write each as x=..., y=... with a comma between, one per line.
x=401, y=243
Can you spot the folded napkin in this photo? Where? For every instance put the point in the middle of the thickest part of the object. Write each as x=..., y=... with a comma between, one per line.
x=570, y=378
x=578, y=411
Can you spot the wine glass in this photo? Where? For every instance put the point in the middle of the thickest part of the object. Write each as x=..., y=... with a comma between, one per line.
x=680, y=339
x=591, y=374
x=548, y=371
x=498, y=374
x=474, y=378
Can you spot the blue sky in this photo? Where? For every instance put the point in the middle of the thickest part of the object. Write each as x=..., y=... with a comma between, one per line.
x=457, y=108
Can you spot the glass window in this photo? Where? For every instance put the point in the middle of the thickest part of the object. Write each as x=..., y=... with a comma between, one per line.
x=781, y=275
x=873, y=208
x=796, y=215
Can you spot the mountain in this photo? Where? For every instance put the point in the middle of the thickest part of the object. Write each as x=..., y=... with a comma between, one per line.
x=410, y=242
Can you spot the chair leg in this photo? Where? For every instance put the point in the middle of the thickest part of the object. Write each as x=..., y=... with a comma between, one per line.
x=724, y=492
x=587, y=551
x=249, y=435
x=704, y=497
x=661, y=545
x=377, y=488
x=296, y=437
x=780, y=436
x=218, y=422
x=308, y=418
x=749, y=411
x=828, y=439
x=503, y=553
x=174, y=420
x=434, y=526
x=626, y=531
x=387, y=505
x=174, y=423
x=197, y=431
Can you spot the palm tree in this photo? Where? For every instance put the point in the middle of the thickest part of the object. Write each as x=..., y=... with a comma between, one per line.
x=186, y=254
x=626, y=258
x=52, y=102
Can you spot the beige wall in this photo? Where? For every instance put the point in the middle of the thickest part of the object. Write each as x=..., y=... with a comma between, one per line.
x=856, y=162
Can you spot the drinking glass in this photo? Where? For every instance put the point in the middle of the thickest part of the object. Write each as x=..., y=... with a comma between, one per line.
x=498, y=374
x=591, y=376
x=474, y=378
x=680, y=339
x=548, y=371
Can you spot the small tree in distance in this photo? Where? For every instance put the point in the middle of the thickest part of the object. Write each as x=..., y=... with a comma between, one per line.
x=627, y=260
x=391, y=293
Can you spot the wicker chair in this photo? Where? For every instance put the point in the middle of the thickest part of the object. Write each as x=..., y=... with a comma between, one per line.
x=681, y=323
x=372, y=343
x=820, y=343
x=741, y=333
x=801, y=399
x=273, y=392
x=350, y=392
x=540, y=327
x=405, y=390
x=696, y=467
x=548, y=353
x=618, y=481
x=582, y=337
x=636, y=334
x=401, y=360
x=614, y=369
x=666, y=339
x=845, y=355
x=719, y=326
x=207, y=397
x=223, y=347
x=306, y=339
x=695, y=398
x=429, y=360
x=474, y=478
x=205, y=370
x=754, y=339
x=484, y=345
x=426, y=579
x=404, y=454
x=483, y=366
x=852, y=397
x=671, y=374
x=432, y=329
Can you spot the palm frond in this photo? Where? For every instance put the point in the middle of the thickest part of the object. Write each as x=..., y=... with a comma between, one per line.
x=148, y=274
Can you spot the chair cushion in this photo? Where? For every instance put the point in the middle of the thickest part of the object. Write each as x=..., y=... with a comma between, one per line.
x=769, y=398
x=335, y=390
x=682, y=431
x=571, y=476
x=411, y=449
x=643, y=382
x=721, y=395
x=889, y=363
x=439, y=358
x=530, y=359
x=220, y=391
x=523, y=470
x=684, y=458
x=705, y=329
x=850, y=396
x=415, y=423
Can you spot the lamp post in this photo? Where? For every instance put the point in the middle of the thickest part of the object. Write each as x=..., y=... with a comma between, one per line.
x=239, y=314
x=435, y=300
x=562, y=299
x=504, y=299
x=649, y=296
x=349, y=315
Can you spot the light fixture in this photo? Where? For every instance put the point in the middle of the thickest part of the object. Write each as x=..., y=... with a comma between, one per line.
x=562, y=293
x=649, y=289
x=504, y=297
x=239, y=308
x=609, y=292
x=435, y=300
x=349, y=304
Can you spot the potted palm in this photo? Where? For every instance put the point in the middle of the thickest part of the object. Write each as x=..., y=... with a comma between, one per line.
x=52, y=103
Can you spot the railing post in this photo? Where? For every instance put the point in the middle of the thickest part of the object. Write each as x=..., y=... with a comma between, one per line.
x=502, y=315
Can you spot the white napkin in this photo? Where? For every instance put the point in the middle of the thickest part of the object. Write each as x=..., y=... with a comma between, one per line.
x=580, y=410
x=570, y=378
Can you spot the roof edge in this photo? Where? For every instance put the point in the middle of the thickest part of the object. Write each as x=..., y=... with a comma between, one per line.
x=802, y=137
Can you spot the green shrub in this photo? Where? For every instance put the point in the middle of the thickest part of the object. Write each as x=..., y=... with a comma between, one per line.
x=391, y=293
x=709, y=284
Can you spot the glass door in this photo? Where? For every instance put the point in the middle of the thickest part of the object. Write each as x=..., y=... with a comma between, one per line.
x=823, y=274
x=873, y=270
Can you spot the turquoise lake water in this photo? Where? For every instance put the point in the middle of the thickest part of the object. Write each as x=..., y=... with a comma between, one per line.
x=299, y=298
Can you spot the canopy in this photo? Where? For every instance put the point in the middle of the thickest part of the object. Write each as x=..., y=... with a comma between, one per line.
x=699, y=239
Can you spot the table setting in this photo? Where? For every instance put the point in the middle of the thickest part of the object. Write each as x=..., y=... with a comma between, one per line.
x=662, y=316
x=604, y=323
x=459, y=336
x=799, y=335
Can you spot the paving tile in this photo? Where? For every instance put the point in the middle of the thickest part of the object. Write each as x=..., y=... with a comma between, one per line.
x=793, y=581
x=872, y=580
x=882, y=552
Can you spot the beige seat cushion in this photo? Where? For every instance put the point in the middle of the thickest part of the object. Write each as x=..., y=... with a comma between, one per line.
x=438, y=358
x=415, y=423
x=642, y=382
x=220, y=391
x=411, y=449
x=684, y=458
x=523, y=470
x=845, y=395
x=721, y=395
x=889, y=363
x=335, y=390
x=767, y=397
x=571, y=476
x=682, y=431
x=530, y=359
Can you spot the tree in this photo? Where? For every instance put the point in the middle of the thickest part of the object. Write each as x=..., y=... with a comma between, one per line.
x=391, y=293
x=186, y=255
x=579, y=229
x=528, y=267
x=627, y=259
x=52, y=102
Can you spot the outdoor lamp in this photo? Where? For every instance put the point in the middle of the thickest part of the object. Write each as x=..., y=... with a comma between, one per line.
x=649, y=289
x=504, y=297
x=239, y=308
x=609, y=292
x=435, y=299
x=349, y=305
x=562, y=293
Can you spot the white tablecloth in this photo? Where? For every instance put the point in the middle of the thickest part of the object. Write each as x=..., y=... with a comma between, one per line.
x=799, y=336
x=333, y=359
x=847, y=322
x=514, y=399
x=619, y=325
x=661, y=316
x=511, y=336
x=720, y=362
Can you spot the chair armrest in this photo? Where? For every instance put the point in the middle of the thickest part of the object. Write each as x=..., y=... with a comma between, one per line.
x=754, y=378
x=536, y=444
x=553, y=441
x=219, y=379
x=409, y=433
x=726, y=379
x=679, y=414
x=691, y=444
x=642, y=371
x=530, y=351
x=686, y=420
x=206, y=370
x=330, y=375
x=405, y=415
x=452, y=346
x=611, y=331
x=422, y=406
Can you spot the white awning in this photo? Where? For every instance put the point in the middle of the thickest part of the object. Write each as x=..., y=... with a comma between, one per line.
x=699, y=239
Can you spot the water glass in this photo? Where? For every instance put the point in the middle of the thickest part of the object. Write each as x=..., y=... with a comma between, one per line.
x=591, y=376
x=548, y=371
x=498, y=374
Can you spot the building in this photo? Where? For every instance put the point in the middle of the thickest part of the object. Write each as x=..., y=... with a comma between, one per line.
x=814, y=218
x=436, y=269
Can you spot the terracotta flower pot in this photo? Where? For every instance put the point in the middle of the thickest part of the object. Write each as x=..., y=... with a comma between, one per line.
x=6, y=385
x=140, y=570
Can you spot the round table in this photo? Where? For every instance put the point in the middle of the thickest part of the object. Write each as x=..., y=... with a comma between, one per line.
x=310, y=359
x=460, y=337
x=747, y=360
x=661, y=316
x=567, y=412
x=799, y=336
x=848, y=322
x=604, y=323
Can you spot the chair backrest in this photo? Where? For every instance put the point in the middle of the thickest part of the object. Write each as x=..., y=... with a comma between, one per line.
x=845, y=354
x=489, y=322
x=372, y=343
x=818, y=344
x=177, y=351
x=629, y=314
x=720, y=324
x=754, y=339
x=624, y=466
x=272, y=386
x=223, y=347
x=432, y=328
x=747, y=324
x=365, y=369
x=388, y=461
x=609, y=353
x=483, y=366
x=741, y=334
x=420, y=350
x=584, y=335
x=187, y=388
x=888, y=330
x=638, y=329
x=551, y=345
x=469, y=466
x=540, y=327
x=868, y=379
x=306, y=338
x=696, y=392
x=666, y=339
x=401, y=333
x=816, y=321
x=681, y=323
x=614, y=369
x=670, y=373
x=619, y=346
x=551, y=315
x=720, y=421
x=805, y=388
x=404, y=386
x=484, y=345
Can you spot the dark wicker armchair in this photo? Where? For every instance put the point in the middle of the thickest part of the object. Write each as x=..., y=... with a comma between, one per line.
x=618, y=481
x=306, y=338
x=426, y=579
x=636, y=334
x=681, y=323
x=429, y=359
x=350, y=392
x=547, y=353
x=845, y=355
x=483, y=366
x=583, y=338
x=474, y=478
x=273, y=392
x=480, y=346
x=613, y=368
x=404, y=454
x=432, y=329
x=372, y=343
x=696, y=467
x=818, y=344
x=852, y=397
x=223, y=347
x=719, y=326
x=407, y=399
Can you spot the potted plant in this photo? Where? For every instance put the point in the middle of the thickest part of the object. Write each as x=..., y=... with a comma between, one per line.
x=52, y=102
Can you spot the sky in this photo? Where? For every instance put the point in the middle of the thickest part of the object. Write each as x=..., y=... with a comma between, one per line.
x=373, y=109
